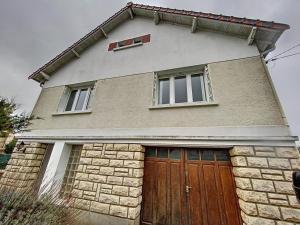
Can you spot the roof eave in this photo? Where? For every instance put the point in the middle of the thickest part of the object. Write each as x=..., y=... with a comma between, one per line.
x=274, y=30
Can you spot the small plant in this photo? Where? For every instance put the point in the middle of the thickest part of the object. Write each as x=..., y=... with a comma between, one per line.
x=26, y=208
x=10, y=146
x=10, y=121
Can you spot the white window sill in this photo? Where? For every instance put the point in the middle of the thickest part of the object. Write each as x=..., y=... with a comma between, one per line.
x=127, y=46
x=72, y=112
x=183, y=105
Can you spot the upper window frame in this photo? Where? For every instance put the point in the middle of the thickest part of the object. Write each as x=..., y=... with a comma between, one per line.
x=205, y=87
x=75, y=101
x=63, y=103
x=128, y=43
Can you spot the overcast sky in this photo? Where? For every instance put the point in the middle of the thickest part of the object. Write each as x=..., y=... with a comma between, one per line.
x=34, y=31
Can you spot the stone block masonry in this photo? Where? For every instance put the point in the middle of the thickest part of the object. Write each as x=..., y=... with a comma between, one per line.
x=263, y=178
x=109, y=180
x=23, y=167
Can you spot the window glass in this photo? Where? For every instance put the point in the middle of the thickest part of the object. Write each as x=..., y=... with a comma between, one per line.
x=197, y=82
x=222, y=156
x=193, y=154
x=137, y=40
x=69, y=176
x=164, y=91
x=121, y=43
x=151, y=152
x=162, y=153
x=81, y=98
x=175, y=153
x=89, y=98
x=208, y=155
x=71, y=100
x=180, y=89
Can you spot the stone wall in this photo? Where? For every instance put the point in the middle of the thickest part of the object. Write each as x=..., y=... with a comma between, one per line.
x=109, y=180
x=23, y=167
x=263, y=178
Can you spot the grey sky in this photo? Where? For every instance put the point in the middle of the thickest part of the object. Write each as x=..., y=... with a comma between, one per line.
x=32, y=32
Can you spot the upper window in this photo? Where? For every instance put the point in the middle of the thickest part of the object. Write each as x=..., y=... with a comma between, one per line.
x=128, y=43
x=78, y=99
x=183, y=88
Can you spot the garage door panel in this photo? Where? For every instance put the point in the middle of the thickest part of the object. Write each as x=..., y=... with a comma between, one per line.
x=148, y=191
x=196, y=201
x=176, y=193
x=211, y=195
x=194, y=188
x=160, y=203
x=228, y=190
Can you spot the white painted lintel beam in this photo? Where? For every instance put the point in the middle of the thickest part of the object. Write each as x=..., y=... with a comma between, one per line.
x=252, y=35
x=130, y=13
x=194, y=25
x=104, y=33
x=45, y=76
x=75, y=53
x=156, y=17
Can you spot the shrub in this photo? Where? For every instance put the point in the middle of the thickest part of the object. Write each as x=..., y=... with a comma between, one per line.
x=10, y=146
x=26, y=208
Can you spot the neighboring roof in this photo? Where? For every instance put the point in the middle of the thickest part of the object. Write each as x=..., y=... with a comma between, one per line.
x=264, y=33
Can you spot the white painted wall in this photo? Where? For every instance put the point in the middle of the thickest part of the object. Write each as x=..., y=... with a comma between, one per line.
x=56, y=167
x=171, y=46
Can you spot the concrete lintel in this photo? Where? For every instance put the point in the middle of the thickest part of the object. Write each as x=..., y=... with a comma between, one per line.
x=255, y=135
x=252, y=35
x=45, y=76
x=104, y=33
x=131, y=13
x=194, y=25
x=156, y=17
x=75, y=53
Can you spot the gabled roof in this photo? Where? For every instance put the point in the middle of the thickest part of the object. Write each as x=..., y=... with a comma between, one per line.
x=263, y=33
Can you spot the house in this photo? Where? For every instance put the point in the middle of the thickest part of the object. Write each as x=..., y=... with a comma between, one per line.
x=164, y=116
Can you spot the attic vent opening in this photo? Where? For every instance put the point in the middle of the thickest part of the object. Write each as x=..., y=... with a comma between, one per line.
x=128, y=43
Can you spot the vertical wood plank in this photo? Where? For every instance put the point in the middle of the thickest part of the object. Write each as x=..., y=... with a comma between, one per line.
x=230, y=198
x=212, y=195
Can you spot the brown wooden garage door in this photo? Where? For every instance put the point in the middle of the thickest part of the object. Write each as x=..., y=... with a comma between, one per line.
x=188, y=187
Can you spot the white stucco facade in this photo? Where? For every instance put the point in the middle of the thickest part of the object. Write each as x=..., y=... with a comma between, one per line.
x=239, y=113
x=171, y=46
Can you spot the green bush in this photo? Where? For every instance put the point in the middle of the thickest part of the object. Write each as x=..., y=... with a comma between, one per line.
x=10, y=146
x=25, y=208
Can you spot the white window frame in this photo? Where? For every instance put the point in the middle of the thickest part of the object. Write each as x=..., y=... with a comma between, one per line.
x=86, y=100
x=204, y=87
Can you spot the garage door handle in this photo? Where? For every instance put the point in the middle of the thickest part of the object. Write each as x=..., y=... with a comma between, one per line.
x=187, y=188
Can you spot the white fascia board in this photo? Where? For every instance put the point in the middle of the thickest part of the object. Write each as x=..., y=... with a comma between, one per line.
x=188, y=135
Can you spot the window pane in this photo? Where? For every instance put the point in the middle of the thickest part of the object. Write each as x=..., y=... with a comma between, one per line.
x=89, y=99
x=180, y=89
x=175, y=154
x=193, y=154
x=151, y=152
x=164, y=91
x=69, y=176
x=137, y=40
x=162, y=153
x=71, y=100
x=197, y=87
x=208, y=155
x=222, y=156
x=81, y=98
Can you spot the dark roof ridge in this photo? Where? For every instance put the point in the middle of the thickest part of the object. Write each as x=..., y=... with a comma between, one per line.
x=220, y=17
